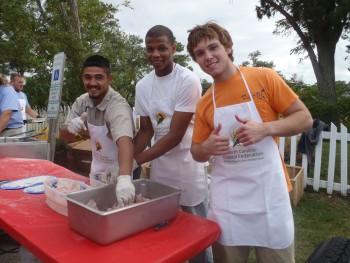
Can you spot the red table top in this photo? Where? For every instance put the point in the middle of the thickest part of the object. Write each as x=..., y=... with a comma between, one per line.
x=28, y=219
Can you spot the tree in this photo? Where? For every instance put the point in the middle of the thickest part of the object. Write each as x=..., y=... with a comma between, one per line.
x=318, y=107
x=256, y=62
x=319, y=24
x=205, y=85
x=180, y=57
x=33, y=31
x=348, y=51
x=17, y=29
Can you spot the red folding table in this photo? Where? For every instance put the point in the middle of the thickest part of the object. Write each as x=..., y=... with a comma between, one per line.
x=27, y=219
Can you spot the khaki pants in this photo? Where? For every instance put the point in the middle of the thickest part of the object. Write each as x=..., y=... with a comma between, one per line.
x=240, y=254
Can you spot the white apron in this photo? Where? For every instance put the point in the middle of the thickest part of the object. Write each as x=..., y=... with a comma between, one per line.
x=176, y=167
x=104, y=156
x=22, y=106
x=249, y=195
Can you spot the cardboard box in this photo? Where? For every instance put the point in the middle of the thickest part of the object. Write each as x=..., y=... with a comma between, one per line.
x=296, y=175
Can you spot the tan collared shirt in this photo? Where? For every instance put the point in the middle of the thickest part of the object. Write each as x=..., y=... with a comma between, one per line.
x=113, y=110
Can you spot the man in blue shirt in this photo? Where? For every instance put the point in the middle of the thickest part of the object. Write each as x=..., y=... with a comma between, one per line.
x=10, y=115
x=17, y=82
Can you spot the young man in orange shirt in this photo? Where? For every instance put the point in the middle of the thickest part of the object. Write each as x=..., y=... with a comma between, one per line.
x=236, y=123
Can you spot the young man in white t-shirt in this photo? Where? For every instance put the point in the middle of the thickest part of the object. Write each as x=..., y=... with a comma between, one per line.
x=165, y=100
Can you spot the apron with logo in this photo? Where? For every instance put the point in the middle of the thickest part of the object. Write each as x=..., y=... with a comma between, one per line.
x=249, y=196
x=104, y=165
x=176, y=167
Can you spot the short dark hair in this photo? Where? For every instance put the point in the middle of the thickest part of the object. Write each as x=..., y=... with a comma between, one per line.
x=209, y=31
x=98, y=61
x=159, y=30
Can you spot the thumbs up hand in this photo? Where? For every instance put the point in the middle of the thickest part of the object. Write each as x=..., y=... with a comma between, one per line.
x=216, y=144
x=250, y=132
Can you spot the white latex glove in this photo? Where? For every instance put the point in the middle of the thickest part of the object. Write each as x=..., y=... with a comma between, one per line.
x=77, y=124
x=125, y=190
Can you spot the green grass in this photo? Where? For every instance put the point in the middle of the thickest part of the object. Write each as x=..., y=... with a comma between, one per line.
x=318, y=217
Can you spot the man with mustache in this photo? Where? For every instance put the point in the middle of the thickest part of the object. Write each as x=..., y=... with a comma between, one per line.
x=107, y=118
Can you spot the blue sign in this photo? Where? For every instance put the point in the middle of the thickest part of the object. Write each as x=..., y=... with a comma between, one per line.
x=56, y=74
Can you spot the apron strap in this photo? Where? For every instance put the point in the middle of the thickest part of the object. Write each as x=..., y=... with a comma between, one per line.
x=245, y=84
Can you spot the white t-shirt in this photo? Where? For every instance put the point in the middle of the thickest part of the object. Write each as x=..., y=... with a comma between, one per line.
x=182, y=85
x=23, y=102
x=178, y=91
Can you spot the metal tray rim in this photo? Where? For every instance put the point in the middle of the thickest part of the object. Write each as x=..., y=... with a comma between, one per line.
x=106, y=213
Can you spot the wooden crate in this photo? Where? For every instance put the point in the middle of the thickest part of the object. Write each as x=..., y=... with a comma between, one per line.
x=296, y=175
x=80, y=157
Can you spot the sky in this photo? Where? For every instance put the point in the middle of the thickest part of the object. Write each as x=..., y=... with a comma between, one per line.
x=239, y=18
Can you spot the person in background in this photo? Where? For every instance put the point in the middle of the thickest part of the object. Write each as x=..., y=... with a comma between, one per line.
x=106, y=117
x=17, y=82
x=10, y=116
x=236, y=124
x=3, y=80
x=11, y=122
x=165, y=100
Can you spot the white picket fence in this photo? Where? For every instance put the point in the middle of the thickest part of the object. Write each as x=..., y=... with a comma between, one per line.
x=332, y=183
x=38, y=127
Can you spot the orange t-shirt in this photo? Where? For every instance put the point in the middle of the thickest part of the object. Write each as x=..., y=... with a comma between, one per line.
x=271, y=95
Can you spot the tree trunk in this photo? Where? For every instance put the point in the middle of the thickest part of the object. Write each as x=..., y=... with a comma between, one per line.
x=65, y=16
x=326, y=80
x=323, y=63
x=41, y=10
x=75, y=14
